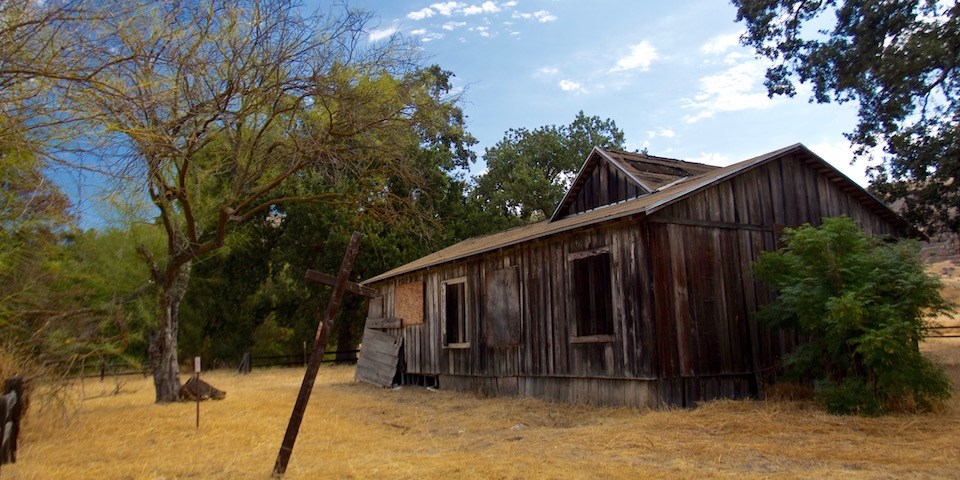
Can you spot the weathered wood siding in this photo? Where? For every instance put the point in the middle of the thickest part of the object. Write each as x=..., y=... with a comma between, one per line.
x=706, y=296
x=684, y=299
x=605, y=185
x=544, y=347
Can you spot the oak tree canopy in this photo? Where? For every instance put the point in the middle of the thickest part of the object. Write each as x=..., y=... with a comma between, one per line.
x=900, y=61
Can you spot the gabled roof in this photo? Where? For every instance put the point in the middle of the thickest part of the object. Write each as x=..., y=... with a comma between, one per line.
x=644, y=205
x=647, y=172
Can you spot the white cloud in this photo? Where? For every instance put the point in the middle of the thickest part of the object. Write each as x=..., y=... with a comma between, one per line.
x=717, y=159
x=571, y=86
x=541, y=16
x=427, y=37
x=640, y=57
x=490, y=7
x=721, y=43
x=737, y=88
x=420, y=14
x=544, y=16
x=548, y=71
x=483, y=31
x=661, y=132
x=446, y=8
x=839, y=153
x=510, y=4
x=733, y=58
x=380, y=34
x=450, y=26
x=485, y=7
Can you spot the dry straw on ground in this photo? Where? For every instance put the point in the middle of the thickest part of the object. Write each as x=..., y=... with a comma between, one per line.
x=354, y=430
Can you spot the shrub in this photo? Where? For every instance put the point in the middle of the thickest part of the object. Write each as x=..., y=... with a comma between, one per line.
x=863, y=303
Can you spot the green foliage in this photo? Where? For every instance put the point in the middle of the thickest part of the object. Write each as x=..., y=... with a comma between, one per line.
x=271, y=339
x=529, y=171
x=898, y=60
x=251, y=295
x=863, y=303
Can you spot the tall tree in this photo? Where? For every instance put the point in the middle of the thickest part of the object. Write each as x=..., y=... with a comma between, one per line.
x=529, y=170
x=900, y=60
x=64, y=295
x=271, y=298
x=213, y=105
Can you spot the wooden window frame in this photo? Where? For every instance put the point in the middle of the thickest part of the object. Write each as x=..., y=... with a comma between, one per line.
x=576, y=290
x=465, y=334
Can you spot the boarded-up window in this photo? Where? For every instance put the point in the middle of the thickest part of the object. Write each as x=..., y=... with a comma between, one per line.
x=592, y=295
x=501, y=307
x=410, y=303
x=455, y=312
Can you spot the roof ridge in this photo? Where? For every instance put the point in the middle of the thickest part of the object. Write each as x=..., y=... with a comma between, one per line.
x=647, y=156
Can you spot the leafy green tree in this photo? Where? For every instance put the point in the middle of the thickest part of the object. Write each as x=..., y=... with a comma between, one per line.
x=65, y=295
x=898, y=60
x=863, y=303
x=211, y=107
x=529, y=171
x=251, y=295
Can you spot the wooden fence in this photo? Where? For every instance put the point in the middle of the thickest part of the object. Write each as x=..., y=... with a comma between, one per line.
x=944, y=332
x=299, y=359
x=11, y=406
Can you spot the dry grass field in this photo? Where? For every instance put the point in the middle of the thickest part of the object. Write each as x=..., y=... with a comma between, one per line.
x=353, y=430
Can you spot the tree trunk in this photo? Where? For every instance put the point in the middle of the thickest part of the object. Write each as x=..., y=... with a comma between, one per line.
x=163, y=343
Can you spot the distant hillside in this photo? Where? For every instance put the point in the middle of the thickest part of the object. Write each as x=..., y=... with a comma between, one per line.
x=940, y=249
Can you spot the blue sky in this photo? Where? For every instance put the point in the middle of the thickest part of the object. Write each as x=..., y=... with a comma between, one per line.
x=671, y=74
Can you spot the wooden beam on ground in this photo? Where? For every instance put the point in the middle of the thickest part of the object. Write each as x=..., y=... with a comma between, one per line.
x=319, y=345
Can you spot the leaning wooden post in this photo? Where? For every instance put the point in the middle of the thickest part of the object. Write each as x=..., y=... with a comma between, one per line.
x=319, y=344
x=11, y=409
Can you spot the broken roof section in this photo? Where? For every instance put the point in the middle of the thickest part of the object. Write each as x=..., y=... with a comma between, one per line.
x=611, y=176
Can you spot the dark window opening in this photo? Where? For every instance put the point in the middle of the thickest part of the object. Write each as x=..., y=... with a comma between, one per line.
x=455, y=313
x=592, y=295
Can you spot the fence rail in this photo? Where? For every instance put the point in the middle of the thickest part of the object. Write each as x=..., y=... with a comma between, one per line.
x=110, y=369
x=945, y=332
x=301, y=359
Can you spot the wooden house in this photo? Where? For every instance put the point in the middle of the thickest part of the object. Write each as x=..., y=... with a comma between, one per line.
x=637, y=291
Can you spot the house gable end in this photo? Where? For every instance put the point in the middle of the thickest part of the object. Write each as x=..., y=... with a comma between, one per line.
x=601, y=181
x=611, y=176
x=790, y=187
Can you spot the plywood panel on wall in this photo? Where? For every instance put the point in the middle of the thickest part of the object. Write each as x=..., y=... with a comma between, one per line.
x=409, y=300
x=502, y=307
